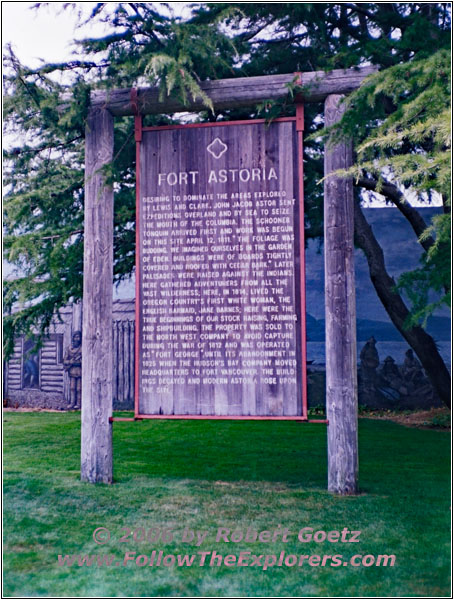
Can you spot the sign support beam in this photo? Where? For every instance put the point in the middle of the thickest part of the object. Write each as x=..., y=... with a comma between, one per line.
x=340, y=313
x=302, y=242
x=96, y=452
x=235, y=93
x=97, y=349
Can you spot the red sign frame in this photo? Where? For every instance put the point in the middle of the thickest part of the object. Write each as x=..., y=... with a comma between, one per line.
x=299, y=121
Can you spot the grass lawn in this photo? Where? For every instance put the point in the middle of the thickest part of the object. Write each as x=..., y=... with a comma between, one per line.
x=204, y=475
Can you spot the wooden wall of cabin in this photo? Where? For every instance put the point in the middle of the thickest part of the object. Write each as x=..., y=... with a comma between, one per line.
x=53, y=391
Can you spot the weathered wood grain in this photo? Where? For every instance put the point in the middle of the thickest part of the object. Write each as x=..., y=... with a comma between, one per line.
x=67, y=317
x=193, y=241
x=121, y=360
x=132, y=359
x=51, y=370
x=96, y=440
x=341, y=379
x=235, y=93
x=13, y=374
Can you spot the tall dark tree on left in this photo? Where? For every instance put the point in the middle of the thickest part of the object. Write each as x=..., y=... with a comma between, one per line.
x=43, y=216
x=44, y=164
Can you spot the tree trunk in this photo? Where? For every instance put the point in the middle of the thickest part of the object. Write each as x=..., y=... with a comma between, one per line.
x=392, y=192
x=421, y=342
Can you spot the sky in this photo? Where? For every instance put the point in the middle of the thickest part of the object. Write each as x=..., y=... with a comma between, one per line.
x=44, y=34
x=48, y=33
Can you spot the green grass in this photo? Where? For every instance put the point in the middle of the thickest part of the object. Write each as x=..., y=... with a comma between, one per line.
x=208, y=474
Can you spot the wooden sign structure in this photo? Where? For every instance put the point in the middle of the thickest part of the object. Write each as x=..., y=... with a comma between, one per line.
x=341, y=392
x=220, y=304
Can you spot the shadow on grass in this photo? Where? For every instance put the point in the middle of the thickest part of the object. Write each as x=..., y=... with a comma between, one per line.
x=391, y=456
x=292, y=453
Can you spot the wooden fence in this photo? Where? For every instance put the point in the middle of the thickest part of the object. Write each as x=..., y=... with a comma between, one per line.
x=52, y=378
x=123, y=362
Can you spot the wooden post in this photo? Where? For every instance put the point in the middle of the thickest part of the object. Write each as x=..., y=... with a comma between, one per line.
x=76, y=317
x=96, y=438
x=341, y=377
x=67, y=333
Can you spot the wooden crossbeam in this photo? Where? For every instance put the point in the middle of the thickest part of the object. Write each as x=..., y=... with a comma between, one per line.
x=96, y=454
x=234, y=93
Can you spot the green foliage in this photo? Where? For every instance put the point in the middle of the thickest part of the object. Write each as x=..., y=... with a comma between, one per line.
x=442, y=421
x=43, y=216
x=403, y=117
x=433, y=278
x=399, y=119
x=174, y=69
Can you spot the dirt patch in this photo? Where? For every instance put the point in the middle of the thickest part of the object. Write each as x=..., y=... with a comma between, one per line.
x=434, y=418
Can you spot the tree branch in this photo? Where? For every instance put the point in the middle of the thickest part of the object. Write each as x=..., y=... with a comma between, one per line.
x=56, y=236
x=248, y=35
x=392, y=193
x=38, y=149
x=360, y=9
x=287, y=40
x=385, y=286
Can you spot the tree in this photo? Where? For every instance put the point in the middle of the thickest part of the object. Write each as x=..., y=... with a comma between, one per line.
x=398, y=121
x=420, y=91
x=44, y=175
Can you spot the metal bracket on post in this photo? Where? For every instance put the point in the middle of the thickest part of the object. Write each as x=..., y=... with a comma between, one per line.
x=137, y=115
x=300, y=117
x=299, y=102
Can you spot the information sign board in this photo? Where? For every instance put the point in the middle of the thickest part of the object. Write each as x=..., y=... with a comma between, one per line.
x=218, y=282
